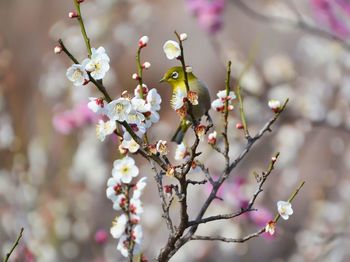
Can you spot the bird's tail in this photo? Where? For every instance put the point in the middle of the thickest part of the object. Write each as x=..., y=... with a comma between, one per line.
x=180, y=132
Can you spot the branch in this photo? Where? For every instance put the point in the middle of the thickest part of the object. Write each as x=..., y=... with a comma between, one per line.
x=82, y=27
x=7, y=257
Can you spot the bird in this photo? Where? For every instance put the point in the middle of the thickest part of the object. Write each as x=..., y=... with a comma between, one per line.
x=176, y=78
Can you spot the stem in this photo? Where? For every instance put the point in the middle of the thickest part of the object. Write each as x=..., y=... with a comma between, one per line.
x=7, y=257
x=139, y=70
x=82, y=27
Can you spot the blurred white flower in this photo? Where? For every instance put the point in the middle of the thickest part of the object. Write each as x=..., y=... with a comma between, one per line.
x=284, y=209
x=118, y=226
x=154, y=99
x=139, y=187
x=130, y=145
x=119, y=109
x=123, y=245
x=171, y=49
x=125, y=169
x=98, y=64
x=97, y=105
x=212, y=138
x=222, y=94
x=181, y=152
x=218, y=105
x=278, y=68
x=104, y=129
x=76, y=73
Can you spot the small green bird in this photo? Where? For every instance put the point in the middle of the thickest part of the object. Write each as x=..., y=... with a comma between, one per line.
x=176, y=78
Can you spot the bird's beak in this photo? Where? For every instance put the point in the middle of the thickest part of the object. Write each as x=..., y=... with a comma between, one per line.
x=162, y=80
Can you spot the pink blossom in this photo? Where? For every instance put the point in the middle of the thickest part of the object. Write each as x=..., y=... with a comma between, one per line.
x=101, y=236
x=208, y=13
x=261, y=216
x=66, y=121
x=333, y=13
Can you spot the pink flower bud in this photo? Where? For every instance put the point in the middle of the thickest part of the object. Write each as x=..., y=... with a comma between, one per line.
x=72, y=15
x=200, y=131
x=101, y=236
x=239, y=126
x=212, y=138
x=143, y=41
x=57, y=49
x=135, y=76
x=146, y=65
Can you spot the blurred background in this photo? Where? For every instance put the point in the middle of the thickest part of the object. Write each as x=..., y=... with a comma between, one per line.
x=53, y=170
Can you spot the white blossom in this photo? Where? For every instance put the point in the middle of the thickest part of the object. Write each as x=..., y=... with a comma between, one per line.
x=125, y=169
x=171, y=49
x=284, y=209
x=222, y=94
x=98, y=64
x=135, y=206
x=177, y=101
x=130, y=145
x=218, y=104
x=114, y=188
x=136, y=234
x=118, y=110
x=135, y=117
x=104, y=129
x=118, y=226
x=143, y=41
x=154, y=99
x=181, y=152
x=97, y=105
x=270, y=228
x=183, y=36
x=77, y=74
x=139, y=187
x=123, y=245
x=140, y=105
x=274, y=104
x=212, y=138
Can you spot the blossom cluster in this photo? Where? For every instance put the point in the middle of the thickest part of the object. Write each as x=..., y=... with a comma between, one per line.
x=219, y=103
x=126, y=227
x=97, y=65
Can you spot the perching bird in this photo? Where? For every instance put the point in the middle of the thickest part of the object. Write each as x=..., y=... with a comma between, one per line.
x=176, y=78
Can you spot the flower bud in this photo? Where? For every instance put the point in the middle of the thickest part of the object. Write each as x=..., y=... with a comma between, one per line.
x=239, y=126
x=135, y=76
x=57, y=49
x=270, y=228
x=183, y=36
x=122, y=150
x=275, y=105
x=170, y=171
x=212, y=138
x=146, y=65
x=72, y=15
x=143, y=41
x=80, y=1
x=273, y=159
x=200, y=131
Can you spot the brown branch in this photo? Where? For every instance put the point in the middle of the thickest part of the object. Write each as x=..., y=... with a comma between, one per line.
x=229, y=240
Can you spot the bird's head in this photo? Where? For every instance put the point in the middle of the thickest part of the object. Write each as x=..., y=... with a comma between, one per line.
x=175, y=76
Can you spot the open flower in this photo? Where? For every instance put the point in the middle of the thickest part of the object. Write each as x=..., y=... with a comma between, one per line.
x=98, y=64
x=284, y=209
x=131, y=145
x=178, y=98
x=119, y=226
x=140, y=105
x=104, y=129
x=114, y=188
x=154, y=99
x=119, y=109
x=77, y=74
x=222, y=94
x=218, y=105
x=135, y=117
x=125, y=169
x=171, y=49
x=135, y=206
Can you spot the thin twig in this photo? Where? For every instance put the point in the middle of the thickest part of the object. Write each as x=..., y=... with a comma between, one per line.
x=82, y=27
x=7, y=257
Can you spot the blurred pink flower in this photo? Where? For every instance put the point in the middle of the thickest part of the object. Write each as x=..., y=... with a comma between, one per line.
x=208, y=13
x=261, y=216
x=334, y=13
x=101, y=236
x=65, y=122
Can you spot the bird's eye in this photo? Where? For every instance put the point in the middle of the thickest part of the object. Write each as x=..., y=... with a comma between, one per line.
x=175, y=75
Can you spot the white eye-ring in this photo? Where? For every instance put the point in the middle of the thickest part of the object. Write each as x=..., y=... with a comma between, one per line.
x=175, y=75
